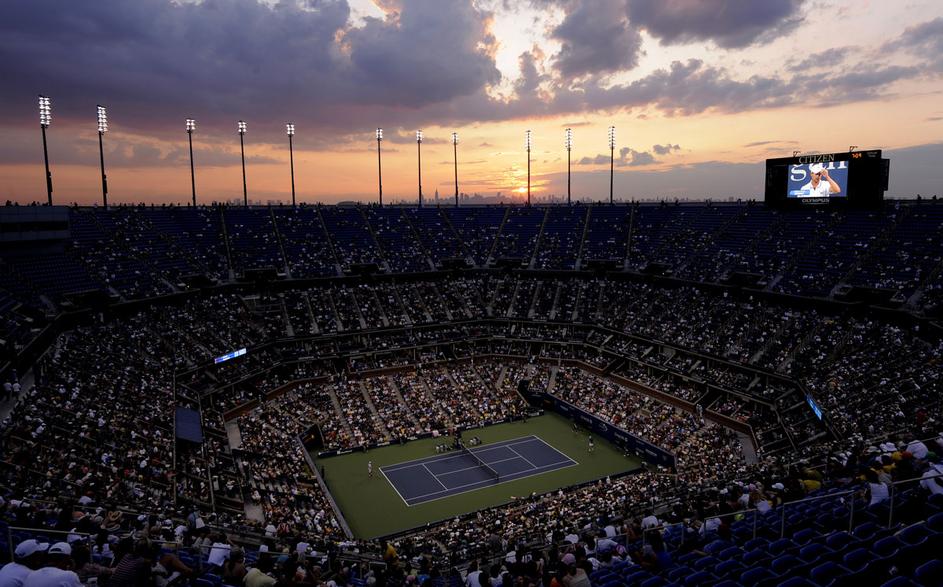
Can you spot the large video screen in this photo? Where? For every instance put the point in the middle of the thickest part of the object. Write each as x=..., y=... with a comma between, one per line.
x=856, y=179
x=818, y=180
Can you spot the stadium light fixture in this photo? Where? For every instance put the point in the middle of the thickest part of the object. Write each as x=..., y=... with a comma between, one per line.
x=45, y=119
x=527, y=145
x=455, y=161
x=102, y=129
x=191, y=126
x=379, y=165
x=241, y=127
x=419, y=160
x=568, y=143
x=290, y=131
x=612, y=159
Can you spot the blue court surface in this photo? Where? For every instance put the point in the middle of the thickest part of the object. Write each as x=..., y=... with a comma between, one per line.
x=453, y=473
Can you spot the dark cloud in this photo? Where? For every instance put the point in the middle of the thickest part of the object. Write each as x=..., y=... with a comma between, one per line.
x=728, y=23
x=154, y=62
x=822, y=60
x=924, y=40
x=627, y=157
x=665, y=149
x=596, y=37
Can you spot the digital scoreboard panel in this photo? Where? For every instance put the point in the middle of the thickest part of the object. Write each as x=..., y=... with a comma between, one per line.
x=853, y=179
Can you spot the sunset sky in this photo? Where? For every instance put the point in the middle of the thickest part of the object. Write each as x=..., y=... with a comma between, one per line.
x=700, y=92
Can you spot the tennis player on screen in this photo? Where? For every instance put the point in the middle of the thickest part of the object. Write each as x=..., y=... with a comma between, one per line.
x=817, y=188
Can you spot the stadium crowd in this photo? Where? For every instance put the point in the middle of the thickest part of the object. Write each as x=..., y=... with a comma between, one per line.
x=89, y=445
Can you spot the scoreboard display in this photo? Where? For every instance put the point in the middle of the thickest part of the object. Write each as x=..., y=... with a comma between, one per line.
x=853, y=179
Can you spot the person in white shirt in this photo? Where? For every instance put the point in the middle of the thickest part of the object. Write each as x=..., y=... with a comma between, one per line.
x=26, y=558
x=933, y=480
x=57, y=572
x=218, y=553
x=918, y=449
x=816, y=188
x=473, y=579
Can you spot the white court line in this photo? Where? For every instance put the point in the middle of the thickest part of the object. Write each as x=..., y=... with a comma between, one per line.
x=434, y=477
x=524, y=458
x=394, y=487
x=475, y=467
x=529, y=474
x=483, y=448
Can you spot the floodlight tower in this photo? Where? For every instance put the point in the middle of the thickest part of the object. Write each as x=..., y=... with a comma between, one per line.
x=241, y=127
x=419, y=159
x=612, y=158
x=527, y=145
x=45, y=119
x=290, y=130
x=191, y=126
x=568, y=143
x=102, y=129
x=455, y=161
x=379, y=165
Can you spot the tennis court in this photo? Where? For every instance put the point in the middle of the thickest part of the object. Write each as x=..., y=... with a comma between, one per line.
x=423, y=480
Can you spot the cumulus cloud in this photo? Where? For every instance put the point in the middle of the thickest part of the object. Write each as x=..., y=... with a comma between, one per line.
x=728, y=23
x=665, y=149
x=596, y=37
x=156, y=61
x=629, y=157
x=924, y=40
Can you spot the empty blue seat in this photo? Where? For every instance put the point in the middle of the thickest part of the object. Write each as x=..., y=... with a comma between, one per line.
x=716, y=546
x=753, y=576
x=729, y=553
x=705, y=563
x=679, y=573
x=756, y=543
x=899, y=582
x=728, y=569
x=804, y=536
x=814, y=552
x=930, y=573
x=856, y=559
x=935, y=522
x=780, y=546
x=755, y=557
x=886, y=547
x=653, y=582
x=915, y=534
x=698, y=578
x=866, y=530
x=826, y=573
x=797, y=582
x=785, y=564
x=839, y=540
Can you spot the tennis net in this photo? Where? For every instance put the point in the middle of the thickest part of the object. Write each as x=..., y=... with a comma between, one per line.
x=488, y=468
